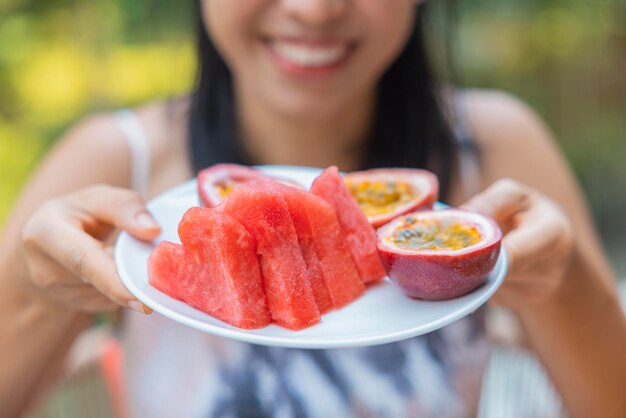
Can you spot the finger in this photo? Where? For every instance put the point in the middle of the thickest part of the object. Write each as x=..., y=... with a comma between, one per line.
x=85, y=298
x=520, y=295
x=512, y=296
x=542, y=270
x=532, y=241
x=122, y=208
x=91, y=300
x=501, y=201
x=55, y=282
x=85, y=257
x=504, y=297
x=63, y=285
x=45, y=271
x=110, y=250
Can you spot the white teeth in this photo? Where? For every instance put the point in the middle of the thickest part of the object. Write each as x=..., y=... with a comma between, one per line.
x=310, y=56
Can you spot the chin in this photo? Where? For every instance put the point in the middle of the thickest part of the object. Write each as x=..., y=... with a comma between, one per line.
x=322, y=101
x=307, y=105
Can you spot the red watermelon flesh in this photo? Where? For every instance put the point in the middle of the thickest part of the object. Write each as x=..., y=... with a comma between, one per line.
x=321, y=238
x=216, y=270
x=335, y=282
x=316, y=276
x=167, y=270
x=266, y=216
x=304, y=232
x=339, y=273
x=360, y=235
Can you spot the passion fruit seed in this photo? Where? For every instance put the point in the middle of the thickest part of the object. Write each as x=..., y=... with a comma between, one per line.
x=432, y=234
x=380, y=197
x=224, y=189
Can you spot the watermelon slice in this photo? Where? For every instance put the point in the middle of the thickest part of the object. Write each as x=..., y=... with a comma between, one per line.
x=307, y=246
x=168, y=271
x=310, y=216
x=266, y=216
x=360, y=235
x=340, y=272
x=305, y=240
x=216, y=270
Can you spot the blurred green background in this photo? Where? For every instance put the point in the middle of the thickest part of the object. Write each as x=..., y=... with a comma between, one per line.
x=62, y=59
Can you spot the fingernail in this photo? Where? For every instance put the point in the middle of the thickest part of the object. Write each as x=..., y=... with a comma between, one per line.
x=146, y=221
x=139, y=307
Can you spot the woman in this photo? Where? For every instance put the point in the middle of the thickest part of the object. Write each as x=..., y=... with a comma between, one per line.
x=309, y=82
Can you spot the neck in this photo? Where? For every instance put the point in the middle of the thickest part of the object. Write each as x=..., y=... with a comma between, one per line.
x=331, y=136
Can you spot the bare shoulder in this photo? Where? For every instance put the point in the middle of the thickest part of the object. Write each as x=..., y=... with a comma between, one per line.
x=502, y=120
x=514, y=142
x=93, y=150
x=98, y=146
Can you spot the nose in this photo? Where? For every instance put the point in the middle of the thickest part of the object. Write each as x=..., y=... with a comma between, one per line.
x=316, y=12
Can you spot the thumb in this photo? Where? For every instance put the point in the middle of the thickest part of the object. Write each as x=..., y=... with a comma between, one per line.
x=121, y=208
x=541, y=231
x=500, y=201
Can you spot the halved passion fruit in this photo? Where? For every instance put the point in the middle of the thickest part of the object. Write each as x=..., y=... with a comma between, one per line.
x=385, y=193
x=443, y=254
x=215, y=183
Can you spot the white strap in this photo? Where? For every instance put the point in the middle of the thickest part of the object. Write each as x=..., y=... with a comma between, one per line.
x=139, y=150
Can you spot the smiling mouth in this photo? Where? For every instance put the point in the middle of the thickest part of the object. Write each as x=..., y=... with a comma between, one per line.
x=304, y=56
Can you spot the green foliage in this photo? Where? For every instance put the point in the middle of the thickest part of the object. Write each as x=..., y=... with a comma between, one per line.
x=60, y=60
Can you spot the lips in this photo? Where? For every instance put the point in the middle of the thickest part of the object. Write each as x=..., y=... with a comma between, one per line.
x=306, y=56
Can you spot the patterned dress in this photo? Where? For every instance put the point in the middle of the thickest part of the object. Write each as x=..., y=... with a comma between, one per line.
x=175, y=371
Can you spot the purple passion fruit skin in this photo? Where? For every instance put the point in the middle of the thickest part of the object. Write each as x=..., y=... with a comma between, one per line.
x=438, y=255
x=215, y=183
x=386, y=193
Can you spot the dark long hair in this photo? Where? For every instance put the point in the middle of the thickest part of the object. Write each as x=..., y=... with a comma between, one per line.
x=410, y=129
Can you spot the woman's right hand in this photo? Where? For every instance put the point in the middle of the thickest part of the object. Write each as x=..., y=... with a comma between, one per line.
x=66, y=243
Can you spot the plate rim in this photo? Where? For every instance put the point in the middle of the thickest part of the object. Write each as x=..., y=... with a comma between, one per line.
x=250, y=336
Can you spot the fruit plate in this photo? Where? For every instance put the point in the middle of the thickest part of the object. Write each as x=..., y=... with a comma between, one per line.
x=382, y=315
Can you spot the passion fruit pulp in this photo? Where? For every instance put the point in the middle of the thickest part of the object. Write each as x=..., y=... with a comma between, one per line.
x=442, y=254
x=385, y=193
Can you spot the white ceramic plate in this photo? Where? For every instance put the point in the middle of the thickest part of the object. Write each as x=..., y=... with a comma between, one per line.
x=382, y=315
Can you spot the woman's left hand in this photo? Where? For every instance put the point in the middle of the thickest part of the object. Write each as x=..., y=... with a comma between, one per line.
x=538, y=238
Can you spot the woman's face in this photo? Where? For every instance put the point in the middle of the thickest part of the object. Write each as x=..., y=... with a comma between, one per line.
x=308, y=57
